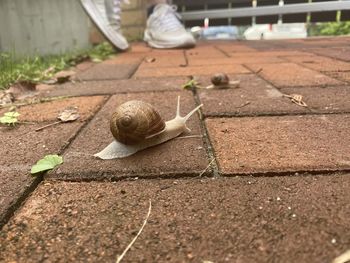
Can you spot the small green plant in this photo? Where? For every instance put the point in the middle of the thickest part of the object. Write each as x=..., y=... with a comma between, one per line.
x=191, y=84
x=330, y=29
x=47, y=163
x=101, y=52
x=9, y=118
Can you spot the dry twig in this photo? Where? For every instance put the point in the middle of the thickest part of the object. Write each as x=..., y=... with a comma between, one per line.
x=343, y=258
x=243, y=105
x=189, y=136
x=133, y=241
x=206, y=168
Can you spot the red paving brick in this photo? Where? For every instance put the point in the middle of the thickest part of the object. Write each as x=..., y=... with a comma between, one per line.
x=118, y=86
x=235, y=60
x=139, y=48
x=169, y=53
x=290, y=74
x=309, y=44
x=323, y=100
x=205, y=52
x=326, y=42
x=343, y=76
x=253, y=97
x=281, y=144
x=251, y=220
x=21, y=148
x=124, y=58
x=179, y=156
x=30, y=145
x=153, y=62
x=271, y=54
x=49, y=111
x=164, y=58
x=235, y=48
x=108, y=70
x=256, y=97
x=187, y=71
x=319, y=63
x=341, y=53
x=14, y=184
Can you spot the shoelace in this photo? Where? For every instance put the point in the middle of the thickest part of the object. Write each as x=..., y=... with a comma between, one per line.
x=117, y=7
x=167, y=19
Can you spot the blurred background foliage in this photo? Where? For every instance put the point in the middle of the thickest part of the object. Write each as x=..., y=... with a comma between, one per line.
x=329, y=29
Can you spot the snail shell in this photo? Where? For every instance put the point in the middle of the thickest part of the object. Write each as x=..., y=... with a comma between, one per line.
x=134, y=121
x=220, y=79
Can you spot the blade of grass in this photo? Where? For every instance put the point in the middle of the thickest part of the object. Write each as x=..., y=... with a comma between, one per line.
x=133, y=241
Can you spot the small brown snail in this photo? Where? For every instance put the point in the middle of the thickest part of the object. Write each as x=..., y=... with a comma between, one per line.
x=136, y=125
x=222, y=81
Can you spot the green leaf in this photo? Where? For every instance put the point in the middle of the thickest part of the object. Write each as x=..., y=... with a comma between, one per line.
x=9, y=118
x=12, y=114
x=47, y=163
x=191, y=84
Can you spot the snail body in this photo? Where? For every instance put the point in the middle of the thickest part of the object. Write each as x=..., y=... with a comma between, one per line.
x=222, y=81
x=172, y=129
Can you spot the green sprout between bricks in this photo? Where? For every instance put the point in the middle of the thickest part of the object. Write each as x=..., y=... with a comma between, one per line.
x=9, y=118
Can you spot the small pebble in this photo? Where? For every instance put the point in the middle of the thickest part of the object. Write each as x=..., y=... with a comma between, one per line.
x=334, y=241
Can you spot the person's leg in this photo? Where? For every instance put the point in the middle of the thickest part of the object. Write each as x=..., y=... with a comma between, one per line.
x=152, y=3
x=106, y=15
x=164, y=29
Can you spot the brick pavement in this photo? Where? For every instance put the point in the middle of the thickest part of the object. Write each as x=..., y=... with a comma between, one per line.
x=276, y=189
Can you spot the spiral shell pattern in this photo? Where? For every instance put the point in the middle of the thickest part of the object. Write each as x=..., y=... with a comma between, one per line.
x=220, y=79
x=135, y=120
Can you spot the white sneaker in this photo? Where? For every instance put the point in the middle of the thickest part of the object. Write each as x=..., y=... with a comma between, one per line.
x=106, y=15
x=164, y=29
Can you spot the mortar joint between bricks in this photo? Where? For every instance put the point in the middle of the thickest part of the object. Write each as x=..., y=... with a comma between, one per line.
x=268, y=115
x=222, y=51
x=206, y=141
x=327, y=56
x=259, y=76
x=39, y=178
x=326, y=73
x=7, y=215
x=134, y=70
x=186, y=58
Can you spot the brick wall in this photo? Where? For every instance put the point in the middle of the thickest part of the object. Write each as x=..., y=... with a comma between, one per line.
x=134, y=19
x=133, y=22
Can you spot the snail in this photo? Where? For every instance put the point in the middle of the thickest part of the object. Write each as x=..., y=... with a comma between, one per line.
x=136, y=125
x=222, y=81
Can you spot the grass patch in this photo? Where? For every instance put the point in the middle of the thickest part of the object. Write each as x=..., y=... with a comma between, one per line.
x=36, y=69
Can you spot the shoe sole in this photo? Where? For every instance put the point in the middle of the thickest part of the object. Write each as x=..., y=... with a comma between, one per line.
x=165, y=45
x=114, y=37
